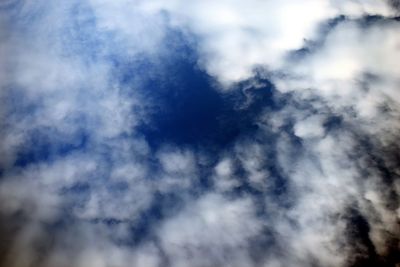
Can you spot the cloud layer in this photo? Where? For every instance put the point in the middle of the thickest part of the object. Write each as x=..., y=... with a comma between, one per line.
x=229, y=133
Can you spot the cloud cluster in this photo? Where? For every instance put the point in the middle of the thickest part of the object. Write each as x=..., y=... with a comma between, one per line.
x=237, y=36
x=313, y=182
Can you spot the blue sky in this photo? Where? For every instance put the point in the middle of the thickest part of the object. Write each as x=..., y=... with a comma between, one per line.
x=230, y=133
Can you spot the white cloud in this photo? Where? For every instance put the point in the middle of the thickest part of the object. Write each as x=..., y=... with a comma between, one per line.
x=177, y=161
x=310, y=127
x=235, y=36
x=352, y=75
x=338, y=68
x=211, y=231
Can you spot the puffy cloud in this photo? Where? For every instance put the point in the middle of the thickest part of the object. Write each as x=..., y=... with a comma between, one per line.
x=309, y=127
x=313, y=183
x=211, y=231
x=236, y=37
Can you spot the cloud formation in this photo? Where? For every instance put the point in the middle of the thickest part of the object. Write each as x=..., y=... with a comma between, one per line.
x=236, y=37
x=229, y=133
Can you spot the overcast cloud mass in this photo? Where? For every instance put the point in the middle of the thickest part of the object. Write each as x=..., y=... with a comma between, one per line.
x=172, y=133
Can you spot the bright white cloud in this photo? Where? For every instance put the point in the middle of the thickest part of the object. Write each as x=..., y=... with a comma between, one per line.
x=236, y=36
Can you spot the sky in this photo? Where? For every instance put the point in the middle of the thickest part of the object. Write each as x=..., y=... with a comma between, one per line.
x=172, y=133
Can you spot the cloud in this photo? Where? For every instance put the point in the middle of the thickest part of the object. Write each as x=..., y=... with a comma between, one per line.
x=236, y=37
x=309, y=179
x=309, y=127
x=213, y=230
